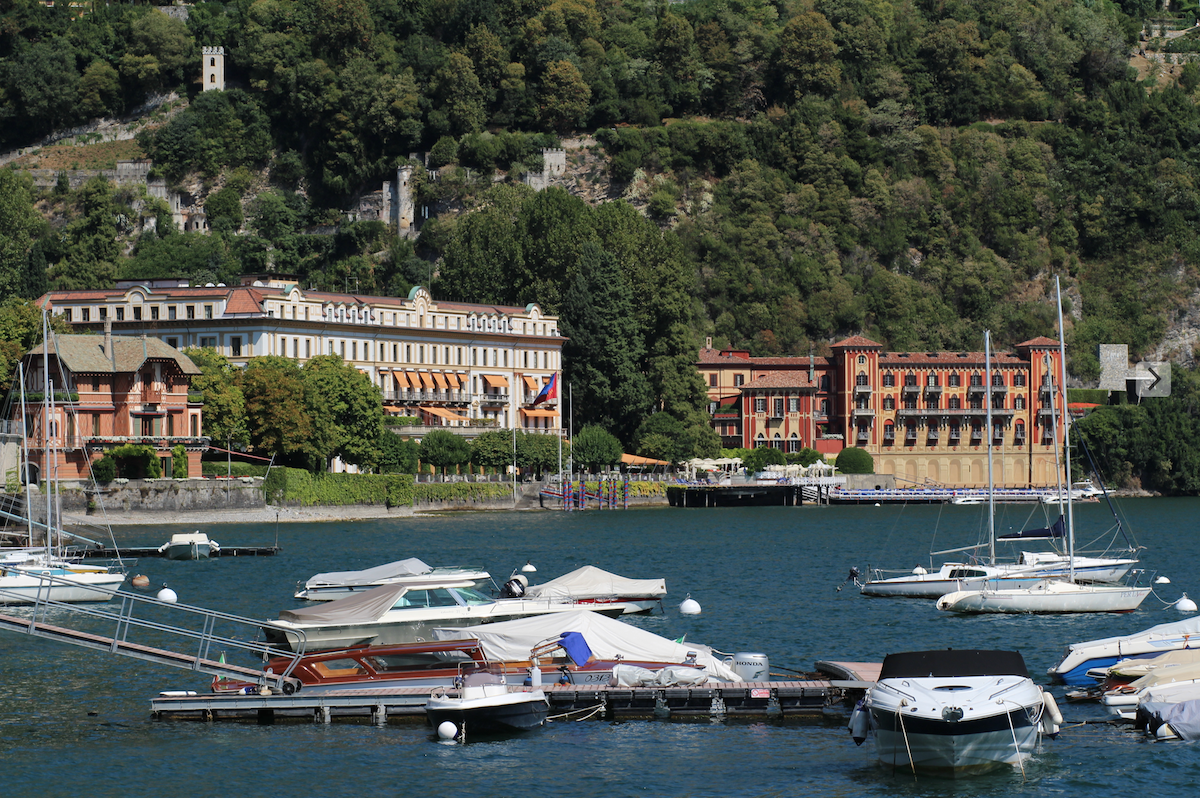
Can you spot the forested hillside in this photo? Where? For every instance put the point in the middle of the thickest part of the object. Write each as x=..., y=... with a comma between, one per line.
x=780, y=174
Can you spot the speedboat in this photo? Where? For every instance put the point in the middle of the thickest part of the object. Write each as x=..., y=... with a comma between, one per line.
x=401, y=613
x=340, y=584
x=1079, y=658
x=591, y=585
x=953, y=713
x=190, y=546
x=483, y=703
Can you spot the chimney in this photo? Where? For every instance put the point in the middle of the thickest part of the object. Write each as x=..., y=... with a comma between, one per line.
x=108, y=353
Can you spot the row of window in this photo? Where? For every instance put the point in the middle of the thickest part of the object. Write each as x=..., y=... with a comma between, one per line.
x=935, y=403
x=136, y=313
x=954, y=380
x=356, y=314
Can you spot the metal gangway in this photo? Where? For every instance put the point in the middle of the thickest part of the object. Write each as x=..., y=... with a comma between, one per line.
x=134, y=613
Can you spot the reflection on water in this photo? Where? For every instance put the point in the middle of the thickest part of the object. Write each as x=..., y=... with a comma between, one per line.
x=77, y=722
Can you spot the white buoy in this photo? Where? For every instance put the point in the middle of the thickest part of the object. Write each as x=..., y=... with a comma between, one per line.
x=167, y=595
x=1162, y=580
x=919, y=571
x=876, y=504
x=447, y=730
x=528, y=567
x=689, y=606
x=1185, y=604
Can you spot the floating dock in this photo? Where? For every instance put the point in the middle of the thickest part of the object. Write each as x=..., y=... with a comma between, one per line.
x=804, y=697
x=226, y=551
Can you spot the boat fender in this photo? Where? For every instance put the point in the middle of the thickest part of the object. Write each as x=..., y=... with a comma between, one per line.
x=859, y=723
x=1051, y=717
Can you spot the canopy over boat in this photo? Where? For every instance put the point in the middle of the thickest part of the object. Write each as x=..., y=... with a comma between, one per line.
x=389, y=571
x=592, y=582
x=607, y=638
x=365, y=607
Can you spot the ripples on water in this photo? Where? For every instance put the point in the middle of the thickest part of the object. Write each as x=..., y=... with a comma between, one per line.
x=76, y=723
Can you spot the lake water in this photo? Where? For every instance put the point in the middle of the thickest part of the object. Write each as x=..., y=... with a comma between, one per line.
x=77, y=723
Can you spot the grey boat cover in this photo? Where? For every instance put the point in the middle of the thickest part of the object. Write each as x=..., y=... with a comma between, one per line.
x=1183, y=717
x=370, y=605
x=608, y=638
x=592, y=582
x=392, y=570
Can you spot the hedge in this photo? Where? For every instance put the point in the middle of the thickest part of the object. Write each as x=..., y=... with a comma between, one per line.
x=635, y=488
x=297, y=486
x=462, y=491
x=219, y=468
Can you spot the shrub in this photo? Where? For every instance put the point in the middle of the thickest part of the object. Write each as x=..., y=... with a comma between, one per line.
x=853, y=460
x=104, y=469
x=179, y=462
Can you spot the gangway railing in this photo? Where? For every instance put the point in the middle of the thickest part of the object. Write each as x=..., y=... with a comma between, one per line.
x=203, y=634
x=41, y=525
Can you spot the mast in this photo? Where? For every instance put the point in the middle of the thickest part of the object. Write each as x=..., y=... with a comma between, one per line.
x=25, y=448
x=47, y=407
x=1062, y=366
x=987, y=371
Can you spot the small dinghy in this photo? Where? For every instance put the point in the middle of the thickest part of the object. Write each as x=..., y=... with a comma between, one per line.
x=190, y=546
x=482, y=703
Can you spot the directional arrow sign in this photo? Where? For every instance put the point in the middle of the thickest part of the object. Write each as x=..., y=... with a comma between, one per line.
x=1153, y=379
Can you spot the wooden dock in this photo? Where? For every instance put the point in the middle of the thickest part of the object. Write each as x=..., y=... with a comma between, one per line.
x=777, y=699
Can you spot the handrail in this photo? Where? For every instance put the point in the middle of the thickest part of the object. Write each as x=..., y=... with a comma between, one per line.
x=124, y=619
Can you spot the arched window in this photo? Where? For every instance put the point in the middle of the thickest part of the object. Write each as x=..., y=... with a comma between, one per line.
x=861, y=379
x=212, y=62
x=862, y=359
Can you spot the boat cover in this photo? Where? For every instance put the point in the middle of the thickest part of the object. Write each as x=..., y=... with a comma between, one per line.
x=392, y=570
x=370, y=605
x=670, y=676
x=943, y=663
x=592, y=582
x=607, y=638
x=1183, y=717
x=1184, y=628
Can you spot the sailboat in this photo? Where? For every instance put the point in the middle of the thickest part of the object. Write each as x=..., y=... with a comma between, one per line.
x=37, y=573
x=1029, y=569
x=1057, y=595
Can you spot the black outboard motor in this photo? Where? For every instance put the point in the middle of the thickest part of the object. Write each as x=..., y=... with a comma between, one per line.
x=512, y=589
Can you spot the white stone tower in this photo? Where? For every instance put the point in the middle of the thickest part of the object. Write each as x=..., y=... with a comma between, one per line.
x=214, y=69
x=404, y=201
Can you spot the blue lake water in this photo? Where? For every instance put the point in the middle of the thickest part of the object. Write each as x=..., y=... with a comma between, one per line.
x=77, y=723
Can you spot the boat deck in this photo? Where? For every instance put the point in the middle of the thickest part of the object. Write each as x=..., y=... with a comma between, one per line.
x=801, y=697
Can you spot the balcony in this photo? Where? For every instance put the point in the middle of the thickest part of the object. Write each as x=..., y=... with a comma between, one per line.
x=955, y=435
x=152, y=396
x=160, y=442
x=911, y=388
x=862, y=388
x=980, y=388
x=493, y=398
x=933, y=433
x=404, y=397
x=933, y=390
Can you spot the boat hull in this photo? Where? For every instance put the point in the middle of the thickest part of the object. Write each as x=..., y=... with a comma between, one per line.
x=964, y=748
x=1047, y=598
x=492, y=714
x=189, y=551
x=23, y=587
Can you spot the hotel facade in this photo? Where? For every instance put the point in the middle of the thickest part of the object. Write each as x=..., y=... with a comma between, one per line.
x=450, y=364
x=921, y=415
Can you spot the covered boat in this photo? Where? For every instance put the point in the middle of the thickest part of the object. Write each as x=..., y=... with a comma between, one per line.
x=1105, y=652
x=952, y=713
x=190, y=546
x=608, y=639
x=340, y=584
x=592, y=585
x=399, y=613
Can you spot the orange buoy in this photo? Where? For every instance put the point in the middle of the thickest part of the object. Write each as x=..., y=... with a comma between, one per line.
x=140, y=580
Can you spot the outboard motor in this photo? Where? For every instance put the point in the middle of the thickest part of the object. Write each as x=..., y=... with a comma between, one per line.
x=750, y=667
x=512, y=589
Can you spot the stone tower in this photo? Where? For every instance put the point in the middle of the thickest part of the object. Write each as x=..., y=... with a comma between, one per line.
x=404, y=201
x=214, y=69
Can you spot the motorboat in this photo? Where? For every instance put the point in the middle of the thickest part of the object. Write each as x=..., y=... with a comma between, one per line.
x=1179, y=720
x=483, y=703
x=1166, y=685
x=190, y=546
x=592, y=585
x=565, y=659
x=1080, y=658
x=340, y=584
x=401, y=613
x=1067, y=594
x=954, y=712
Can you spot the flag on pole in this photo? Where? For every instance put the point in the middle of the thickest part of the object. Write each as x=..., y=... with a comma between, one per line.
x=549, y=390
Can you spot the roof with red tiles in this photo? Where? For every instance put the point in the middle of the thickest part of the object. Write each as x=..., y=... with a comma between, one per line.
x=779, y=379
x=715, y=357
x=1041, y=342
x=856, y=342
x=901, y=360
x=244, y=300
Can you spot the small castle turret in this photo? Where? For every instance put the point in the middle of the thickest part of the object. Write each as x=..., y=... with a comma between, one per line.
x=214, y=69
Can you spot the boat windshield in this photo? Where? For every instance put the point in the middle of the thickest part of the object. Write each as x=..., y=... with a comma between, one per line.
x=471, y=597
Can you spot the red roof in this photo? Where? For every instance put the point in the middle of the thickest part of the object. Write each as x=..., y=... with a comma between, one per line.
x=857, y=342
x=1041, y=342
x=244, y=300
x=779, y=379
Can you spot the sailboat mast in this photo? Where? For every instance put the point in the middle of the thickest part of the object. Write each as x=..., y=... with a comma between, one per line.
x=47, y=407
x=1062, y=367
x=987, y=398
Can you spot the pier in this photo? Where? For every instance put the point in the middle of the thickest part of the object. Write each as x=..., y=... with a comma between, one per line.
x=148, y=551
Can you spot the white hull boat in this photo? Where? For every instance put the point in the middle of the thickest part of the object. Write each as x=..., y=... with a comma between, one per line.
x=1103, y=653
x=401, y=613
x=484, y=704
x=953, y=713
x=1030, y=569
x=340, y=584
x=57, y=581
x=591, y=585
x=1047, y=596
x=190, y=546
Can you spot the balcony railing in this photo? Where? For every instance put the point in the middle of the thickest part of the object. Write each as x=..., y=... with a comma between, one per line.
x=151, y=396
x=493, y=398
x=862, y=388
x=400, y=397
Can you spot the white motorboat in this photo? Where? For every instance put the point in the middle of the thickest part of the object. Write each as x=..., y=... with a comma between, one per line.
x=1079, y=658
x=591, y=585
x=190, y=546
x=1063, y=595
x=412, y=571
x=483, y=703
x=401, y=613
x=954, y=713
x=1165, y=686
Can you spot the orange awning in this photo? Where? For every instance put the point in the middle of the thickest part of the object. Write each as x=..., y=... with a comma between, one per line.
x=426, y=381
x=452, y=381
x=539, y=413
x=401, y=380
x=442, y=412
x=531, y=384
x=440, y=380
x=494, y=381
x=633, y=459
